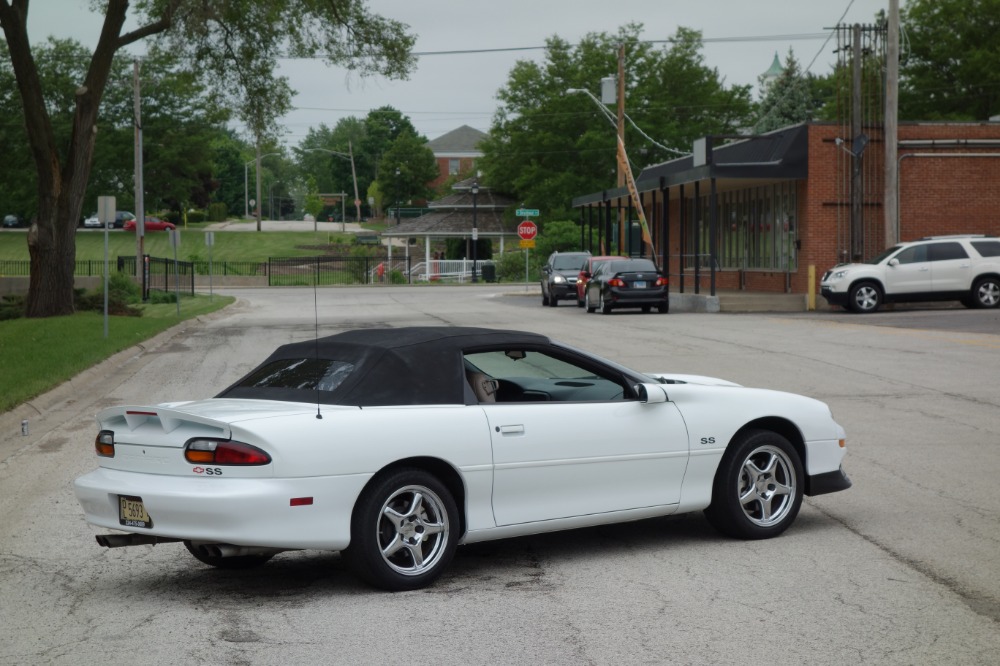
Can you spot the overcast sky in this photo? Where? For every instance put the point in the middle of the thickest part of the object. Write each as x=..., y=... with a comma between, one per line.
x=448, y=91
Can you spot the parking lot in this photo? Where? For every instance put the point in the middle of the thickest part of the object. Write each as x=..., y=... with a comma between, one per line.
x=903, y=568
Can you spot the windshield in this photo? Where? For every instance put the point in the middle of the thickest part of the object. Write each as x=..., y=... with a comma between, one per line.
x=569, y=263
x=880, y=258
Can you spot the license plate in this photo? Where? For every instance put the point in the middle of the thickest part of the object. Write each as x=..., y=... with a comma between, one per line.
x=132, y=512
x=639, y=284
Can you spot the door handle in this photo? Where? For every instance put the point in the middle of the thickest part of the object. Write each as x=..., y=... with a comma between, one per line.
x=511, y=430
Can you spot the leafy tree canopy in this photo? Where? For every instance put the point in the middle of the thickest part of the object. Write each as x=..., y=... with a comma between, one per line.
x=233, y=44
x=951, y=60
x=547, y=146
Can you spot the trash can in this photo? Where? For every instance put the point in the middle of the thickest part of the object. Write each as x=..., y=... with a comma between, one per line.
x=489, y=272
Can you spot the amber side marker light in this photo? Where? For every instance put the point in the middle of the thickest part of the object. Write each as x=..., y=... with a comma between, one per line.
x=104, y=444
x=224, y=452
x=843, y=443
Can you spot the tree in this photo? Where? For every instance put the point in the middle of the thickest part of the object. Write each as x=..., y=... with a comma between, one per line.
x=235, y=43
x=951, y=69
x=414, y=161
x=547, y=146
x=786, y=100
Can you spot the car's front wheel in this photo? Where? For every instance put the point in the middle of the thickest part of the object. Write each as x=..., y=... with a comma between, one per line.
x=404, y=531
x=865, y=297
x=758, y=487
x=586, y=299
x=986, y=293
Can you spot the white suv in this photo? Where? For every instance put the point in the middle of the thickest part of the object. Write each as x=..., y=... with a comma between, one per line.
x=937, y=268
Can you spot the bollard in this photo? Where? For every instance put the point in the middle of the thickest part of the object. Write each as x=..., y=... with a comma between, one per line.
x=24, y=428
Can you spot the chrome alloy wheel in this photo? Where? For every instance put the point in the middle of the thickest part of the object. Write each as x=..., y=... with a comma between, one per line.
x=866, y=298
x=412, y=530
x=988, y=293
x=766, y=485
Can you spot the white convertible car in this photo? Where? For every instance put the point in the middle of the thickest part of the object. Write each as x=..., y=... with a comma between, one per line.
x=394, y=446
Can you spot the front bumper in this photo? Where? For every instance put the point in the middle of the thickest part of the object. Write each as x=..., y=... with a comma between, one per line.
x=833, y=297
x=562, y=291
x=829, y=482
x=243, y=512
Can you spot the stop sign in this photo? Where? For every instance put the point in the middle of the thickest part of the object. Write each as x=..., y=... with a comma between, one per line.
x=527, y=230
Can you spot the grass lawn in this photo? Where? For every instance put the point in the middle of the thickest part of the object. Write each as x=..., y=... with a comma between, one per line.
x=229, y=245
x=40, y=354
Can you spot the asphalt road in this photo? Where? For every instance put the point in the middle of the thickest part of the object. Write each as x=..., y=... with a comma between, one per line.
x=903, y=568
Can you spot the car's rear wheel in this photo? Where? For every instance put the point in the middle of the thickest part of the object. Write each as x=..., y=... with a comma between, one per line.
x=865, y=297
x=604, y=305
x=758, y=487
x=202, y=553
x=404, y=531
x=663, y=308
x=986, y=292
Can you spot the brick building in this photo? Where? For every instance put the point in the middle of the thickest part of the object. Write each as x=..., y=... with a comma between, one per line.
x=757, y=213
x=455, y=153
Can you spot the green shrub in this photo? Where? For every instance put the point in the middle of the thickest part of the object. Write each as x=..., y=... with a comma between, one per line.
x=123, y=292
x=218, y=211
x=157, y=297
x=510, y=266
x=11, y=307
x=196, y=216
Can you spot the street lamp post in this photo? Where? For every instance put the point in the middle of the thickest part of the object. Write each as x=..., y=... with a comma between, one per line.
x=475, y=231
x=397, y=196
x=347, y=156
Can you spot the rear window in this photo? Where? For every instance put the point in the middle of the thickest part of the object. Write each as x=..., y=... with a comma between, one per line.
x=635, y=265
x=311, y=374
x=569, y=262
x=987, y=248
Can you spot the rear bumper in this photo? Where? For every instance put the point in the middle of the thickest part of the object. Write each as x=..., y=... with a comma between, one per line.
x=244, y=512
x=627, y=298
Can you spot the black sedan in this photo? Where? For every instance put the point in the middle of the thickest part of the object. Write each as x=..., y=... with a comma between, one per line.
x=627, y=283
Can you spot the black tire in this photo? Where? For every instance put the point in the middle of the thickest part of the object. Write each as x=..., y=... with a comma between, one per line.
x=605, y=307
x=986, y=292
x=545, y=298
x=758, y=487
x=663, y=308
x=586, y=300
x=553, y=302
x=865, y=297
x=579, y=303
x=202, y=554
x=413, y=511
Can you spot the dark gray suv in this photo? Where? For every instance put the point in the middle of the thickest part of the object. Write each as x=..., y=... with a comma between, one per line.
x=559, y=276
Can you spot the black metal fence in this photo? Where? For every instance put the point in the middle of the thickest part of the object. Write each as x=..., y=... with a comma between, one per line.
x=159, y=272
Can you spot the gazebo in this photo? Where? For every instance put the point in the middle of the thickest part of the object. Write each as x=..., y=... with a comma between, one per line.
x=471, y=211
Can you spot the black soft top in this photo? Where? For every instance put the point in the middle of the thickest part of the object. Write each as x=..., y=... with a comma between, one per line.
x=419, y=365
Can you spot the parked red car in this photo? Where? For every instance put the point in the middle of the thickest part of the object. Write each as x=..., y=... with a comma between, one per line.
x=152, y=224
x=585, y=273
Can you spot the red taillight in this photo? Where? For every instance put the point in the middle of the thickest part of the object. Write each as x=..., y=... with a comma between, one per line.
x=616, y=282
x=105, y=444
x=661, y=282
x=224, y=452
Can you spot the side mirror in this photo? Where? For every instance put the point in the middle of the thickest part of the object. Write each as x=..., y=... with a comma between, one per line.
x=651, y=393
x=894, y=262
x=586, y=275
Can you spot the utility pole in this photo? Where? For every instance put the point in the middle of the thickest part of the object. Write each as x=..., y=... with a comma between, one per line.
x=354, y=176
x=891, y=194
x=621, y=142
x=140, y=204
x=258, y=207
